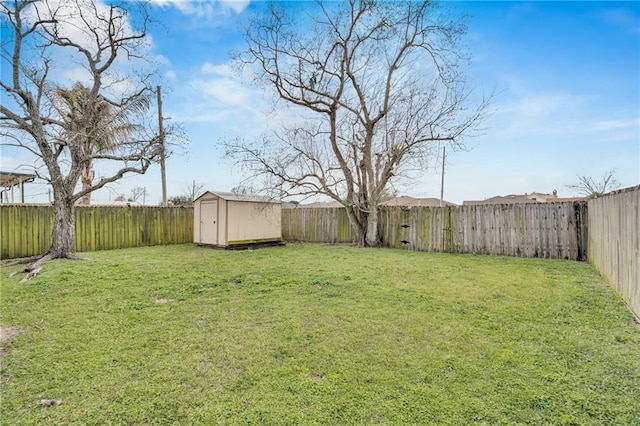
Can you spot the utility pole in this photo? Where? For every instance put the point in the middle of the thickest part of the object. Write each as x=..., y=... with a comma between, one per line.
x=163, y=171
x=442, y=181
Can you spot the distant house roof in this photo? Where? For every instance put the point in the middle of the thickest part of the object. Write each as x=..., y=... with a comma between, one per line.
x=9, y=179
x=230, y=196
x=406, y=201
x=506, y=199
x=534, y=197
x=321, y=205
x=112, y=203
x=567, y=199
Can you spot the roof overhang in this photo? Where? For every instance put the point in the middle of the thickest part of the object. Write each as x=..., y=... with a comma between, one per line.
x=11, y=179
x=229, y=196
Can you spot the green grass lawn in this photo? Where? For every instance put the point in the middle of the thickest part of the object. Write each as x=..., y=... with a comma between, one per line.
x=317, y=335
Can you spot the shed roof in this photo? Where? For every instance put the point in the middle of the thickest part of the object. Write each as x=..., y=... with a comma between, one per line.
x=230, y=196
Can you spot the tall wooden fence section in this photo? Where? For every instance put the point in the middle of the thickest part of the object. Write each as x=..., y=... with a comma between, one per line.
x=555, y=230
x=614, y=242
x=321, y=225
x=25, y=230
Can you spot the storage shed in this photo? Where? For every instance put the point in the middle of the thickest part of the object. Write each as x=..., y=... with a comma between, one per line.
x=224, y=219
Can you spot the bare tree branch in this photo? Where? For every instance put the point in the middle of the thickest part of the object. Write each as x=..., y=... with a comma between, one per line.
x=595, y=187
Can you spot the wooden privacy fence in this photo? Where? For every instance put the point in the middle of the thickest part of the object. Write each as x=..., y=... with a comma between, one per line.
x=614, y=242
x=554, y=230
x=26, y=229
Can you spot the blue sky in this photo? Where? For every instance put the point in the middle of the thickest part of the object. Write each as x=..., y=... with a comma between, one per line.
x=567, y=77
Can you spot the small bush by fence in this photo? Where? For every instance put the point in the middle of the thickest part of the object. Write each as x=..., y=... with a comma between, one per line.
x=556, y=230
x=26, y=229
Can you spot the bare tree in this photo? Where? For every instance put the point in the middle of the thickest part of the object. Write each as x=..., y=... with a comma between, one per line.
x=193, y=191
x=138, y=192
x=39, y=35
x=595, y=187
x=187, y=198
x=380, y=88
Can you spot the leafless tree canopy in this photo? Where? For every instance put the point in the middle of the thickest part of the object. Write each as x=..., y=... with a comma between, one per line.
x=595, y=187
x=61, y=122
x=138, y=193
x=379, y=88
x=194, y=190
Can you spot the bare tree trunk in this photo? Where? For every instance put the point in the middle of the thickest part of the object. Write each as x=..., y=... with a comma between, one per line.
x=373, y=235
x=63, y=244
x=355, y=226
x=63, y=241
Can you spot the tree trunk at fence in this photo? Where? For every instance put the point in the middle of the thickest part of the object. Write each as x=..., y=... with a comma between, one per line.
x=365, y=226
x=373, y=233
x=356, y=225
x=63, y=238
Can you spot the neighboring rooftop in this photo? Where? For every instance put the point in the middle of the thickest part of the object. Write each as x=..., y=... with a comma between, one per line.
x=503, y=199
x=319, y=205
x=534, y=197
x=406, y=201
x=9, y=179
x=403, y=201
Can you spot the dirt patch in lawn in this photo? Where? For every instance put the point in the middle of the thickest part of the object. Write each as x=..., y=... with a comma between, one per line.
x=6, y=334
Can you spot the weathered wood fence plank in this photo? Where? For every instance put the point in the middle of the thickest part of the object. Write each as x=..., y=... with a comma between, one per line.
x=614, y=242
x=554, y=230
x=25, y=230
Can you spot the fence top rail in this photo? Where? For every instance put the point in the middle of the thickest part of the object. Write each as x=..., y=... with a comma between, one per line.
x=619, y=191
x=101, y=206
x=450, y=207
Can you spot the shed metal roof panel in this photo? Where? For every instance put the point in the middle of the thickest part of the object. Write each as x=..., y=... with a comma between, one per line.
x=230, y=196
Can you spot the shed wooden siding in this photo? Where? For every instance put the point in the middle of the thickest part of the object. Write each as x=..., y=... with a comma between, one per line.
x=614, y=242
x=26, y=229
x=555, y=230
x=238, y=219
x=253, y=221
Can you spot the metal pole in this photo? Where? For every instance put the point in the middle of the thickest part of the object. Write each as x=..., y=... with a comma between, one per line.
x=163, y=171
x=442, y=181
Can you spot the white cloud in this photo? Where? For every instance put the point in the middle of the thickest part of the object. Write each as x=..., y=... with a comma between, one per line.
x=79, y=21
x=171, y=75
x=625, y=19
x=205, y=8
x=544, y=104
x=237, y=6
x=632, y=124
x=221, y=70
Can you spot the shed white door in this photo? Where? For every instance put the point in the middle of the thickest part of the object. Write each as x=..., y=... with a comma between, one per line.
x=209, y=222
